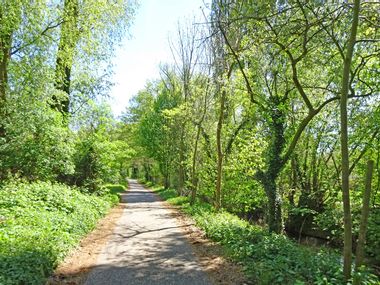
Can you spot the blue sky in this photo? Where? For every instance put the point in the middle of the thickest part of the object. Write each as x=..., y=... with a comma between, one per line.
x=138, y=59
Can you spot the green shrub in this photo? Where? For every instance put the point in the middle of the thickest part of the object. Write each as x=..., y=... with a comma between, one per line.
x=166, y=193
x=40, y=147
x=39, y=223
x=115, y=188
x=149, y=184
x=268, y=258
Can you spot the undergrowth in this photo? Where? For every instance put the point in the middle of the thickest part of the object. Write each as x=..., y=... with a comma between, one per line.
x=115, y=189
x=267, y=258
x=39, y=223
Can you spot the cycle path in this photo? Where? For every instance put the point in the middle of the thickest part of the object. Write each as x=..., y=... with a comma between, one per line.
x=147, y=247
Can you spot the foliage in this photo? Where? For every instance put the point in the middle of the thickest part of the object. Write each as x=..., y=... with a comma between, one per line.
x=267, y=257
x=101, y=153
x=373, y=236
x=38, y=43
x=39, y=223
x=38, y=145
x=55, y=56
x=115, y=188
x=171, y=195
x=248, y=119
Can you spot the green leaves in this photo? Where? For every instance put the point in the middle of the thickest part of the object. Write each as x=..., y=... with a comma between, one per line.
x=38, y=145
x=272, y=258
x=40, y=222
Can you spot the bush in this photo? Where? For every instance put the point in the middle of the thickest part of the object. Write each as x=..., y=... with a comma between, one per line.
x=268, y=258
x=39, y=223
x=166, y=194
x=115, y=188
x=40, y=147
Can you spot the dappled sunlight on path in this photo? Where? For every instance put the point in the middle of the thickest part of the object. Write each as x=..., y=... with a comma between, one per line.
x=147, y=247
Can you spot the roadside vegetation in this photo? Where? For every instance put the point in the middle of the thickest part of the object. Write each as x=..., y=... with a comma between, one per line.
x=270, y=113
x=268, y=258
x=40, y=222
x=59, y=141
x=267, y=126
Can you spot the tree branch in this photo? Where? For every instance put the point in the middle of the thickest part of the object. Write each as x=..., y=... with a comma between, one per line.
x=43, y=33
x=302, y=126
x=240, y=65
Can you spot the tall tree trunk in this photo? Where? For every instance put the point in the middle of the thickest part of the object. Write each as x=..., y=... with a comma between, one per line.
x=274, y=163
x=5, y=43
x=293, y=181
x=347, y=251
x=4, y=57
x=64, y=62
x=218, y=189
x=147, y=171
x=363, y=221
x=274, y=202
x=194, y=179
x=166, y=175
x=166, y=181
x=181, y=169
x=5, y=46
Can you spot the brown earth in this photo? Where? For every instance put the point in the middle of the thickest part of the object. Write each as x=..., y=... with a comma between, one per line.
x=211, y=255
x=74, y=269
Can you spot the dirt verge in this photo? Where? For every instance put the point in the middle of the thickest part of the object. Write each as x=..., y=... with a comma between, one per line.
x=74, y=269
x=211, y=255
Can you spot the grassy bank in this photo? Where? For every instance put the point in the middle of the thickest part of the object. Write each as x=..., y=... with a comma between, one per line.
x=267, y=258
x=39, y=223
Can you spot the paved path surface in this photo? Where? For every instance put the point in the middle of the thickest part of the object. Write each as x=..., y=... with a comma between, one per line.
x=147, y=247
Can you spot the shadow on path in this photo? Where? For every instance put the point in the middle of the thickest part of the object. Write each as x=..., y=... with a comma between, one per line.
x=147, y=247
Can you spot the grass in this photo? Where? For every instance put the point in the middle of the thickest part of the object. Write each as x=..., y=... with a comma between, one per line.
x=40, y=222
x=267, y=258
x=115, y=189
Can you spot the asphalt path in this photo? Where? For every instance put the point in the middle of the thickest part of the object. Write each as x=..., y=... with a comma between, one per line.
x=147, y=247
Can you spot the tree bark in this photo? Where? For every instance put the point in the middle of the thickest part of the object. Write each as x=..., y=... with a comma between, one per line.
x=194, y=179
x=347, y=251
x=5, y=47
x=363, y=220
x=5, y=42
x=65, y=54
x=274, y=201
x=218, y=189
x=166, y=173
x=275, y=164
x=181, y=169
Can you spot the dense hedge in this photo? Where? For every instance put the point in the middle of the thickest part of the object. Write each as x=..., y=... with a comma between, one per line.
x=39, y=223
x=268, y=258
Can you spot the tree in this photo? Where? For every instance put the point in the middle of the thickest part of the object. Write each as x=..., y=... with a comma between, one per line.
x=222, y=74
x=10, y=17
x=68, y=40
x=43, y=59
x=347, y=252
x=288, y=36
x=88, y=33
x=155, y=117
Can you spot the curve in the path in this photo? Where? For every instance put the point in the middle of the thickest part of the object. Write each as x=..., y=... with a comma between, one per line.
x=147, y=247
